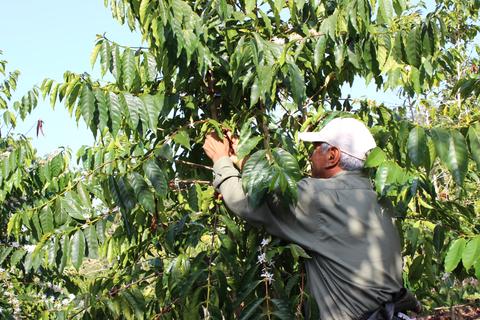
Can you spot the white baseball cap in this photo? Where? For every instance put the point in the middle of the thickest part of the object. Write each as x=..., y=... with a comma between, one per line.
x=349, y=135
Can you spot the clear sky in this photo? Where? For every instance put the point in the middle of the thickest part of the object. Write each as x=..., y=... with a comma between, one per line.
x=44, y=38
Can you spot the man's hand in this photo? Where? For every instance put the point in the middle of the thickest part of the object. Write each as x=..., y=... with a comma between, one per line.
x=215, y=148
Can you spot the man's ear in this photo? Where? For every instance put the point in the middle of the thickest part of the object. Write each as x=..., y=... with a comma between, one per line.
x=334, y=155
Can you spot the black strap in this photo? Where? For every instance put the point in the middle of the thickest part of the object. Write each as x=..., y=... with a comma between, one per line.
x=402, y=300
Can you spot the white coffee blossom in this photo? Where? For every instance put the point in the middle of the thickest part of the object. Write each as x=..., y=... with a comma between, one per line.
x=16, y=244
x=267, y=276
x=262, y=258
x=264, y=242
x=29, y=248
x=445, y=276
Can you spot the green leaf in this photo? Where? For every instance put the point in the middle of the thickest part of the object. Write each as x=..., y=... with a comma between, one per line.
x=115, y=113
x=385, y=11
x=56, y=165
x=414, y=47
x=182, y=138
x=46, y=219
x=156, y=177
x=144, y=6
x=103, y=106
x=4, y=252
x=298, y=252
x=417, y=147
x=474, y=141
x=339, y=53
x=77, y=249
x=399, y=6
x=375, y=158
x=151, y=111
x=452, y=151
x=86, y=104
x=92, y=241
x=250, y=310
x=94, y=55
x=142, y=192
x=66, y=251
x=135, y=299
x=72, y=207
x=471, y=253
x=129, y=69
x=254, y=92
x=105, y=57
x=387, y=174
x=250, y=5
x=256, y=176
x=319, y=51
x=438, y=238
x=297, y=83
x=454, y=254
x=246, y=143
x=416, y=269
x=134, y=106
x=287, y=162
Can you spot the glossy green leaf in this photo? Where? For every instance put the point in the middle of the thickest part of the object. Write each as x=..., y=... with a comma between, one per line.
x=256, y=176
x=297, y=83
x=94, y=55
x=86, y=104
x=452, y=151
x=46, y=220
x=128, y=67
x=438, y=238
x=77, y=249
x=103, y=106
x=454, y=254
x=474, y=141
x=150, y=112
x=182, y=138
x=417, y=147
x=134, y=106
x=115, y=113
x=471, y=253
x=92, y=241
x=156, y=176
x=319, y=51
x=385, y=11
x=142, y=192
x=375, y=158
x=246, y=142
x=414, y=47
x=399, y=6
x=105, y=57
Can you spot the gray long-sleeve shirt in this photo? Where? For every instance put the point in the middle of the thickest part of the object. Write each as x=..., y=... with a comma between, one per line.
x=356, y=262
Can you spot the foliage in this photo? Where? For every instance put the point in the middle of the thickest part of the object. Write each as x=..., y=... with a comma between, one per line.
x=138, y=231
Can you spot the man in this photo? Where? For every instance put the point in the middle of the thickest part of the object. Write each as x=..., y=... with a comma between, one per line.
x=356, y=262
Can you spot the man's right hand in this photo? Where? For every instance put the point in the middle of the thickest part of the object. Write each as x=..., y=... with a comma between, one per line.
x=215, y=148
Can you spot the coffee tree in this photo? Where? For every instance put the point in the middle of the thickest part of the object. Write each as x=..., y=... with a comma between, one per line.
x=139, y=232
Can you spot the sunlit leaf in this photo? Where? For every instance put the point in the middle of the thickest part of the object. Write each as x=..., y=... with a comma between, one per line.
x=454, y=254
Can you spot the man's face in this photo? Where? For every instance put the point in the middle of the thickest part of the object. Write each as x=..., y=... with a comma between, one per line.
x=319, y=160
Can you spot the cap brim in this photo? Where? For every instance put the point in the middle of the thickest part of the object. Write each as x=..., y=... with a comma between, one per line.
x=311, y=137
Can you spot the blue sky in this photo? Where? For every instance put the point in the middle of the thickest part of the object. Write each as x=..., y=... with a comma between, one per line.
x=45, y=38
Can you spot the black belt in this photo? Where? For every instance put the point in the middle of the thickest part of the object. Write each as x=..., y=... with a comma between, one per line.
x=402, y=301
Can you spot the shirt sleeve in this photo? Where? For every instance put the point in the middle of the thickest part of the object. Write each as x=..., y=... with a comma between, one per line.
x=286, y=221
